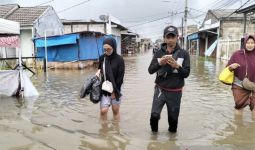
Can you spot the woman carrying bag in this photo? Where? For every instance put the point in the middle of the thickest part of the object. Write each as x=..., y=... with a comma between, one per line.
x=111, y=69
x=243, y=65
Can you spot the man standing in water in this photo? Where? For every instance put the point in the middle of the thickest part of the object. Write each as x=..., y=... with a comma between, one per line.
x=172, y=65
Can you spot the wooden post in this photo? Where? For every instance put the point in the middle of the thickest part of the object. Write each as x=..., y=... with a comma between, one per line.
x=44, y=64
x=245, y=19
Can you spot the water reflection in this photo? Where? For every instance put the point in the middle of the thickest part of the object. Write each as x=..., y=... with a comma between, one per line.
x=109, y=138
x=156, y=144
x=238, y=131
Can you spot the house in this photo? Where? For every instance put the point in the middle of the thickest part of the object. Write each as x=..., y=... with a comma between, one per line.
x=34, y=22
x=190, y=29
x=117, y=30
x=129, y=43
x=220, y=34
x=247, y=12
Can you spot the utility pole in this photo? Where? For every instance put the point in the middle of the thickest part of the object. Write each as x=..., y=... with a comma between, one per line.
x=185, y=24
x=182, y=40
x=172, y=17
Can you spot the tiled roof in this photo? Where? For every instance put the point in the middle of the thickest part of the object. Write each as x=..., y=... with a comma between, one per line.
x=23, y=15
x=27, y=15
x=4, y=9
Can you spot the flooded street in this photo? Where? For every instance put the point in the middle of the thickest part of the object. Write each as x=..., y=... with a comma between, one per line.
x=58, y=119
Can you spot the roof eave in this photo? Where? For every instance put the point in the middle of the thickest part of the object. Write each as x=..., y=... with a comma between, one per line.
x=247, y=9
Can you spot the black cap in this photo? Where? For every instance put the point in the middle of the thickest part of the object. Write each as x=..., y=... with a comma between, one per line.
x=170, y=30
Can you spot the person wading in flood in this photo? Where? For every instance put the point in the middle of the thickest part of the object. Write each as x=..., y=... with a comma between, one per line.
x=112, y=68
x=172, y=65
x=242, y=63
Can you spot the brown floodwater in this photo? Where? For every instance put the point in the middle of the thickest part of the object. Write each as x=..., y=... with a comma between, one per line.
x=58, y=119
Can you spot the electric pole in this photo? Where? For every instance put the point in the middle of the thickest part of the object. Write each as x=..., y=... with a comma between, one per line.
x=172, y=17
x=185, y=24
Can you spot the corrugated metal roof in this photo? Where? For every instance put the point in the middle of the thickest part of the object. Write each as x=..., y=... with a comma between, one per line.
x=248, y=9
x=222, y=13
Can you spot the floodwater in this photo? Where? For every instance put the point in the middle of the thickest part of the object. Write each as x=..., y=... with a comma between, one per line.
x=58, y=119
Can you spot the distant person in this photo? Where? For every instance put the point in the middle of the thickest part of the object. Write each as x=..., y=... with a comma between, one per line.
x=155, y=48
x=114, y=72
x=172, y=65
x=242, y=63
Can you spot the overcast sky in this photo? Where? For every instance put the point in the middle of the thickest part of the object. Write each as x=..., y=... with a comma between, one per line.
x=138, y=15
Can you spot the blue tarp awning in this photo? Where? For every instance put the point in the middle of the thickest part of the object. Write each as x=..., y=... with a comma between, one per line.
x=57, y=40
x=193, y=36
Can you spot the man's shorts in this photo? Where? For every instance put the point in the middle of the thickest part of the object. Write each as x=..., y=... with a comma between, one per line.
x=106, y=101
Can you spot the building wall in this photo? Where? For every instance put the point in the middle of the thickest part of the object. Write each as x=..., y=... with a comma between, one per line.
x=230, y=37
x=84, y=27
x=231, y=29
x=67, y=29
x=116, y=32
x=79, y=28
x=26, y=43
x=97, y=28
x=49, y=22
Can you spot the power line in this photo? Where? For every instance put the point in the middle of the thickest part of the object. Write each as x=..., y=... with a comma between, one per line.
x=238, y=9
x=73, y=6
x=144, y=17
x=154, y=20
x=44, y=3
x=65, y=9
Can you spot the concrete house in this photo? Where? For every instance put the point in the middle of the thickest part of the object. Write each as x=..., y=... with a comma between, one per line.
x=117, y=30
x=220, y=34
x=34, y=22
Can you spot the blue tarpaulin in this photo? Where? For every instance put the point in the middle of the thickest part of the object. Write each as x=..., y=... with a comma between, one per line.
x=62, y=53
x=90, y=47
x=210, y=50
x=57, y=40
x=193, y=36
x=73, y=47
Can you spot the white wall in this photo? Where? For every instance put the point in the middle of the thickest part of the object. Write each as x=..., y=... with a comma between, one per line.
x=97, y=28
x=116, y=32
x=48, y=21
x=84, y=27
x=26, y=43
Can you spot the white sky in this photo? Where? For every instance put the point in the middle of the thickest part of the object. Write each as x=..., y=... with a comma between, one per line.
x=135, y=13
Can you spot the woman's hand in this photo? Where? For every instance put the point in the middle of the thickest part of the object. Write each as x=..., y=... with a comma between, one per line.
x=233, y=66
x=113, y=95
x=98, y=73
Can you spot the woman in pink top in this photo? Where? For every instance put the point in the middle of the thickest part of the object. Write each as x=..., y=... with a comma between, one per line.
x=237, y=63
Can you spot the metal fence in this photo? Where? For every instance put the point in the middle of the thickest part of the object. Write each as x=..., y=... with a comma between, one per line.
x=227, y=47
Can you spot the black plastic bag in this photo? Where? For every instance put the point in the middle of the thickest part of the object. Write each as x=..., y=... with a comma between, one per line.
x=86, y=88
x=92, y=86
x=95, y=93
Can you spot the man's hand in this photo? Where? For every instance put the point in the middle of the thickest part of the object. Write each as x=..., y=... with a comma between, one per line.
x=162, y=61
x=173, y=63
